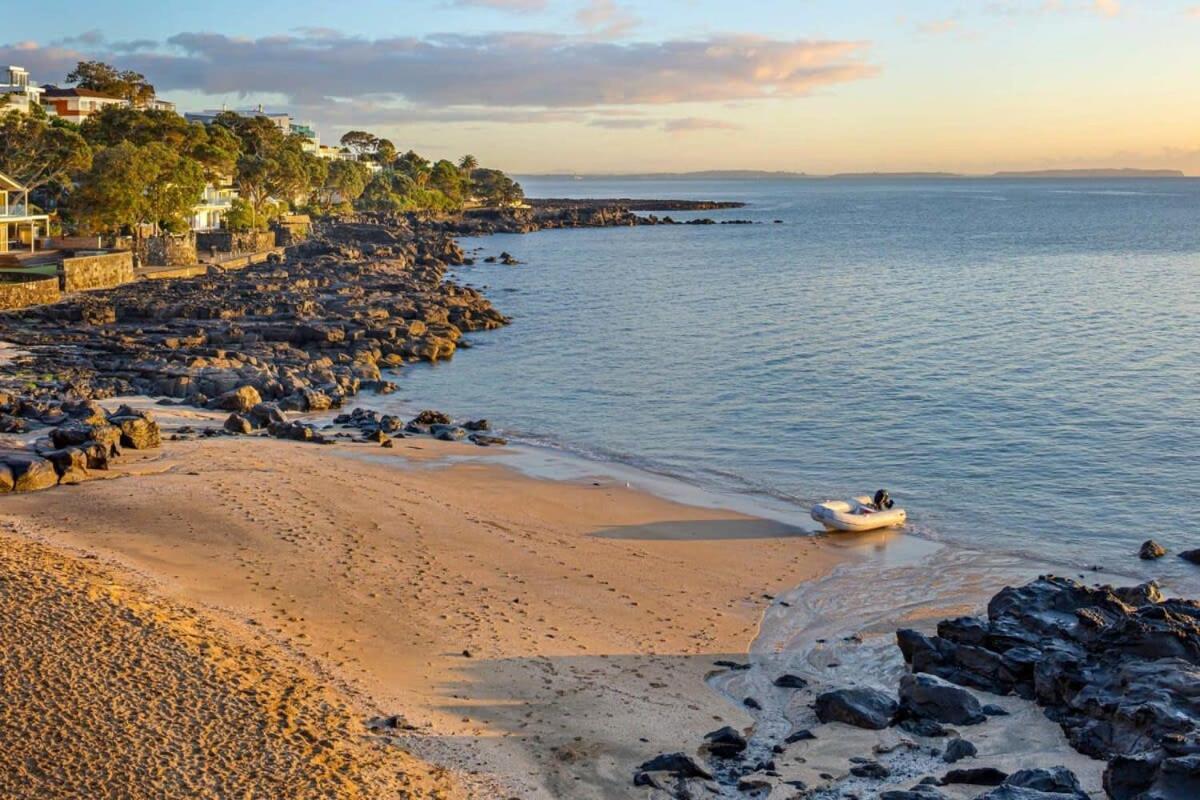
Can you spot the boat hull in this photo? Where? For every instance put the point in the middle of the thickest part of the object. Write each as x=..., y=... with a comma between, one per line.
x=839, y=516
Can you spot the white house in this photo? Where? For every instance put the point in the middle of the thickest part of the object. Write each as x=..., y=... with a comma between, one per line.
x=74, y=104
x=19, y=94
x=209, y=214
x=19, y=225
x=280, y=118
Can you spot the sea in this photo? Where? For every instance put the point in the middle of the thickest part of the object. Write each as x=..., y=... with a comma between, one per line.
x=1016, y=361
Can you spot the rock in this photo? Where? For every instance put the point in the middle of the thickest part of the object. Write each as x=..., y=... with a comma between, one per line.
x=1191, y=556
x=749, y=784
x=71, y=464
x=1151, y=550
x=726, y=743
x=138, y=432
x=487, y=441
x=7, y=481
x=1007, y=792
x=977, y=776
x=993, y=710
x=871, y=769
x=919, y=792
x=236, y=423
x=677, y=764
x=861, y=707
x=378, y=437
x=263, y=414
x=448, y=433
x=429, y=417
x=791, y=682
x=957, y=750
x=241, y=399
x=802, y=735
x=1055, y=780
x=31, y=473
x=750, y=702
x=930, y=697
x=477, y=425
x=923, y=727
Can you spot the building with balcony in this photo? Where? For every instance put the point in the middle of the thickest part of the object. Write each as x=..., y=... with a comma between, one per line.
x=18, y=94
x=20, y=223
x=209, y=214
x=76, y=105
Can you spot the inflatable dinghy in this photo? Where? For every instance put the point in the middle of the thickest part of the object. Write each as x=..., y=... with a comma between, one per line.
x=858, y=514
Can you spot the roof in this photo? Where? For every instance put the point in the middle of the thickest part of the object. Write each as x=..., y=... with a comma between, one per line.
x=7, y=184
x=75, y=91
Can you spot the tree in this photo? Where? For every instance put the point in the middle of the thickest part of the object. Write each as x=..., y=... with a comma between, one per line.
x=272, y=164
x=37, y=153
x=385, y=152
x=345, y=182
x=130, y=186
x=106, y=79
x=416, y=168
x=360, y=143
x=496, y=188
x=447, y=179
x=468, y=164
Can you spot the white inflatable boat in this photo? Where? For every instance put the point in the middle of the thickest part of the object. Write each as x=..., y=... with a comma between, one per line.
x=858, y=514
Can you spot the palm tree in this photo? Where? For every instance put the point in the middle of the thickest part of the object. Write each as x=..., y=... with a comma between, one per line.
x=468, y=164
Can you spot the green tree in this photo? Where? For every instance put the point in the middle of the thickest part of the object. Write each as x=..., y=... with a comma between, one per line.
x=468, y=164
x=360, y=143
x=107, y=79
x=38, y=153
x=415, y=167
x=128, y=187
x=496, y=188
x=447, y=179
x=345, y=182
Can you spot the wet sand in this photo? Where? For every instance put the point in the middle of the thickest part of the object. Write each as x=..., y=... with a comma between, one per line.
x=540, y=638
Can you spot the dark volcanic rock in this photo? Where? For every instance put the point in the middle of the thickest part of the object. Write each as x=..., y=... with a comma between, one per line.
x=791, y=682
x=1151, y=550
x=678, y=764
x=861, y=707
x=871, y=769
x=957, y=750
x=930, y=697
x=977, y=776
x=1118, y=669
x=726, y=743
x=918, y=792
x=1056, y=780
x=1191, y=556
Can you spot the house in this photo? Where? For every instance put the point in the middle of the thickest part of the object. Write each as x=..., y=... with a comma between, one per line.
x=19, y=225
x=76, y=105
x=19, y=94
x=280, y=118
x=155, y=104
x=209, y=213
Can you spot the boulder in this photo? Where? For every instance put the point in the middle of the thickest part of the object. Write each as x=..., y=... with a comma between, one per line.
x=1191, y=556
x=930, y=697
x=31, y=473
x=236, y=423
x=957, y=750
x=1055, y=780
x=448, y=433
x=921, y=791
x=726, y=743
x=138, y=432
x=871, y=769
x=861, y=707
x=241, y=399
x=430, y=417
x=1151, y=550
x=7, y=481
x=977, y=776
x=677, y=764
x=264, y=414
x=790, y=682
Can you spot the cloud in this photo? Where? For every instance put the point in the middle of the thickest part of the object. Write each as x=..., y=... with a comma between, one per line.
x=692, y=124
x=1193, y=12
x=605, y=19
x=499, y=70
x=1107, y=8
x=519, y=6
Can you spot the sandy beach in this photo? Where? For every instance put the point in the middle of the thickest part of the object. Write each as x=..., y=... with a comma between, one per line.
x=538, y=638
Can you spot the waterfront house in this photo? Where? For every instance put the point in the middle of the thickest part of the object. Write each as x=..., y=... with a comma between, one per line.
x=209, y=214
x=76, y=105
x=20, y=224
x=18, y=94
x=282, y=119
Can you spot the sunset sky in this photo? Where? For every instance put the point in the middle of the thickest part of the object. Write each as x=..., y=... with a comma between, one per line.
x=605, y=85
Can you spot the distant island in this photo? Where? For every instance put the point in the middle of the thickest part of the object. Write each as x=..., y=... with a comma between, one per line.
x=764, y=175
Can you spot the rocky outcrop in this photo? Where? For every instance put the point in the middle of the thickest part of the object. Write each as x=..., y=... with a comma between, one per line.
x=861, y=707
x=1117, y=668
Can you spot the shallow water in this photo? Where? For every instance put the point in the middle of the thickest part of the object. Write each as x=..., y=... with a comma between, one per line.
x=1015, y=361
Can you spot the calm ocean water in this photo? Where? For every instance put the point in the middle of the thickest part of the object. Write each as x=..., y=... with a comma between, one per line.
x=1018, y=362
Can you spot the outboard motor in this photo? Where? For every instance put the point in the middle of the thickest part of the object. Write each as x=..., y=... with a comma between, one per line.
x=882, y=501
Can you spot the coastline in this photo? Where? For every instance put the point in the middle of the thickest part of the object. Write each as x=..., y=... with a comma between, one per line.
x=592, y=614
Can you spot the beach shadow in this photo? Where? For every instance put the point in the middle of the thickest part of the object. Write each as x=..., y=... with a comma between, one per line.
x=703, y=530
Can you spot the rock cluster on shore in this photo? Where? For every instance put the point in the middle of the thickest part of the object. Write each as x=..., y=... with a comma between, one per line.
x=1117, y=668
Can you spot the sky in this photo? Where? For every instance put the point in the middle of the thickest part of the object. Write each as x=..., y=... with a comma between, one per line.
x=595, y=86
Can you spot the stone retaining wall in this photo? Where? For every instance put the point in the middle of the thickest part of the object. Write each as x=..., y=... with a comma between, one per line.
x=234, y=242
x=99, y=271
x=167, y=250
x=24, y=293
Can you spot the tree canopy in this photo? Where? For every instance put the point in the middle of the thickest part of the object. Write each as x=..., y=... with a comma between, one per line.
x=107, y=79
x=129, y=186
x=38, y=153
